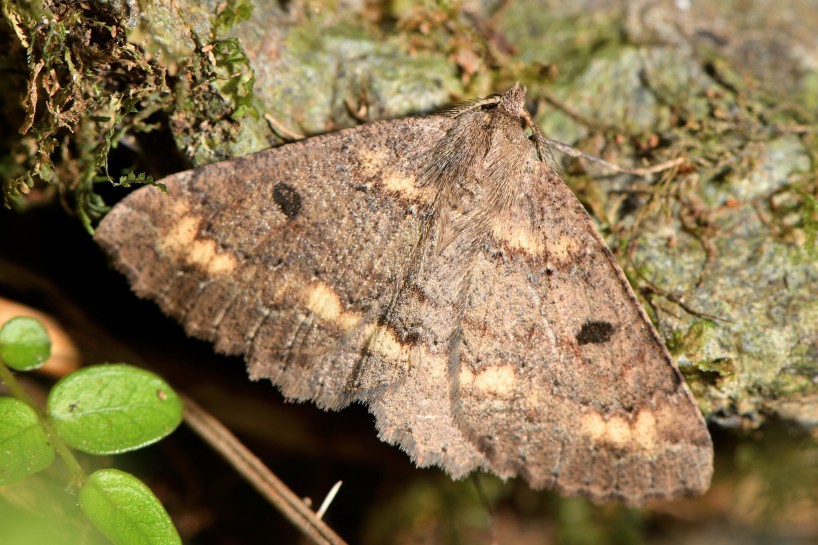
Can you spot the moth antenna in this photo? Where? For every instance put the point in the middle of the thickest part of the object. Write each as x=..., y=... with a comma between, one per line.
x=460, y=109
x=547, y=143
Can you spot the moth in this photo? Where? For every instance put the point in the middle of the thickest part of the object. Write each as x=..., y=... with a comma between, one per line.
x=438, y=270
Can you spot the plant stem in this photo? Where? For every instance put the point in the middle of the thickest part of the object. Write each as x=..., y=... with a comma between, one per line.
x=77, y=473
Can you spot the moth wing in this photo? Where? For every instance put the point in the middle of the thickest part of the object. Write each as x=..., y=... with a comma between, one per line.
x=561, y=377
x=283, y=256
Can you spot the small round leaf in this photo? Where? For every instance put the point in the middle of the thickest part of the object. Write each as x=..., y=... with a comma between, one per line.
x=113, y=408
x=24, y=343
x=124, y=509
x=24, y=448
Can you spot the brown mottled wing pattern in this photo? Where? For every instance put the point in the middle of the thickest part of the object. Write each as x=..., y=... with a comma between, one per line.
x=437, y=270
x=561, y=377
x=283, y=256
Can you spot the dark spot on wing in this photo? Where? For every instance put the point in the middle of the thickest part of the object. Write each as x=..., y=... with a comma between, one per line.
x=595, y=332
x=287, y=199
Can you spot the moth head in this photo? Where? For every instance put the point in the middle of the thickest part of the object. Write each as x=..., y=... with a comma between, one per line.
x=513, y=102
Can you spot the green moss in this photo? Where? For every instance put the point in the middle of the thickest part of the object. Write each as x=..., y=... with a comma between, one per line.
x=570, y=36
x=809, y=219
x=340, y=69
x=690, y=341
x=78, y=60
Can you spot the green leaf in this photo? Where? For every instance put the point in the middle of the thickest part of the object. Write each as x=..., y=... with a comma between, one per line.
x=24, y=448
x=125, y=509
x=112, y=408
x=24, y=343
